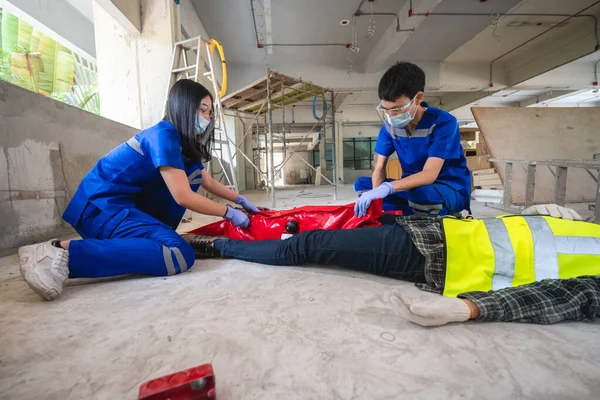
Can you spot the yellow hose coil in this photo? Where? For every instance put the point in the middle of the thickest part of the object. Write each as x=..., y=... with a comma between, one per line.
x=213, y=44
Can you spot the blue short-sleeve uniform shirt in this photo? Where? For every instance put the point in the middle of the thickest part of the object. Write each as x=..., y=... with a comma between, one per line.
x=436, y=135
x=128, y=177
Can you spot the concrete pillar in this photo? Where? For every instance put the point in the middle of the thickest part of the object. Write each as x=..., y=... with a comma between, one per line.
x=133, y=68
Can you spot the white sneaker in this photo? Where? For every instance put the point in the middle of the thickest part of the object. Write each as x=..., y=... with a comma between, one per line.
x=45, y=268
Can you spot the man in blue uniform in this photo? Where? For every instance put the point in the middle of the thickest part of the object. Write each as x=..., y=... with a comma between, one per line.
x=435, y=178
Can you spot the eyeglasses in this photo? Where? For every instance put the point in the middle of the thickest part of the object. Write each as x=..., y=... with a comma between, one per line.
x=382, y=111
x=206, y=109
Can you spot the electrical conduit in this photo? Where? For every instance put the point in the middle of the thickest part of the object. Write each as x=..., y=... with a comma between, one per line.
x=314, y=108
x=213, y=44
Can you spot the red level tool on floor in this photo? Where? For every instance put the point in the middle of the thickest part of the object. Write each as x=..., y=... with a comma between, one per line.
x=196, y=383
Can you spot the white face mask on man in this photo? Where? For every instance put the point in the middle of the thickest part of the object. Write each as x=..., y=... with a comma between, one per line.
x=401, y=120
x=397, y=118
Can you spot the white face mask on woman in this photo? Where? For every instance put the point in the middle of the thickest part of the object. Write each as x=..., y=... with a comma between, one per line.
x=201, y=124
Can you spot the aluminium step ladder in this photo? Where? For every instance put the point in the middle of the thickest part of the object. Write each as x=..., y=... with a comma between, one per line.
x=203, y=67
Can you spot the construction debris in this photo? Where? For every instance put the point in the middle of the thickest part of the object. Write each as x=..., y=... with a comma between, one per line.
x=487, y=179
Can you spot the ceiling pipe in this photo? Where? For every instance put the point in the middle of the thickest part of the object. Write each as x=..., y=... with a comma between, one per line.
x=305, y=44
x=495, y=14
x=589, y=99
x=268, y=29
x=398, y=28
x=567, y=16
x=258, y=44
x=360, y=13
x=491, y=82
x=559, y=98
x=271, y=45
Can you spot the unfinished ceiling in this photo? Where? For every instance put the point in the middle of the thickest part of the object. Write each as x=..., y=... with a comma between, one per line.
x=480, y=36
x=84, y=7
x=293, y=22
x=466, y=57
x=439, y=36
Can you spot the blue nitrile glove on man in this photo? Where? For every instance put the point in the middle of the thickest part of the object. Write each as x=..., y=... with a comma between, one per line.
x=364, y=201
x=243, y=201
x=237, y=217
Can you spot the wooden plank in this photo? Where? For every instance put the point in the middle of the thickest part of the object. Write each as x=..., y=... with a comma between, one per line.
x=485, y=171
x=393, y=170
x=250, y=97
x=545, y=133
x=486, y=187
x=276, y=77
x=486, y=178
x=476, y=163
x=482, y=149
x=468, y=136
x=492, y=182
x=262, y=80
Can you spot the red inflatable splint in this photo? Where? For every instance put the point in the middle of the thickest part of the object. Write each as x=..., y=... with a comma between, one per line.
x=265, y=225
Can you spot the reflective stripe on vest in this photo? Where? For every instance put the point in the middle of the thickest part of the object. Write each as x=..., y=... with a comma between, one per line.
x=494, y=254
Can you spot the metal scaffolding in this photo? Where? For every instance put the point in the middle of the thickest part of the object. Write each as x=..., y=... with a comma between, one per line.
x=260, y=98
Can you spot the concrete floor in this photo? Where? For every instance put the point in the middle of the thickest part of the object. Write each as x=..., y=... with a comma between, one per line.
x=275, y=332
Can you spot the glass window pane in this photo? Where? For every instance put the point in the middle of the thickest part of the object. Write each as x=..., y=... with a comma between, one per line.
x=349, y=164
x=362, y=164
x=348, y=149
x=363, y=148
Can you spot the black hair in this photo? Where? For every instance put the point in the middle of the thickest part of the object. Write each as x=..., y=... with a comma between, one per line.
x=402, y=79
x=182, y=107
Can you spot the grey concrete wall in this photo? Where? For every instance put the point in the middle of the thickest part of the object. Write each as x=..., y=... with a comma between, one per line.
x=46, y=147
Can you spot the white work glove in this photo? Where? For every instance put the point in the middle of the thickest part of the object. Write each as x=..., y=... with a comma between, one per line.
x=428, y=309
x=552, y=210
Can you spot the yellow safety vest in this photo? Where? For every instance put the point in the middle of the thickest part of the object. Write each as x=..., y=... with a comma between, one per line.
x=497, y=253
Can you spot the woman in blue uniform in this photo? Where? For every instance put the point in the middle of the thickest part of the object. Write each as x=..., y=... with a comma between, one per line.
x=127, y=207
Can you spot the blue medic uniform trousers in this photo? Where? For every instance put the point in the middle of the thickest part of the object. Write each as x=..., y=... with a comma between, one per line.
x=131, y=242
x=437, y=198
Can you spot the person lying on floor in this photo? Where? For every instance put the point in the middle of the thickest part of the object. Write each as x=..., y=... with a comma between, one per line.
x=527, y=268
x=128, y=206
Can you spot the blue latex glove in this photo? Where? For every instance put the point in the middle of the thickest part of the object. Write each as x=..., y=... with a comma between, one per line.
x=364, y=201
x=243, y=201
x=237, y=217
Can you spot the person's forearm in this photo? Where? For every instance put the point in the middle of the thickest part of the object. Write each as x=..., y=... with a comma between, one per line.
x=410, y=182
x=218, y=189
x=544, y=302
x=200, y=204
x=378, y=177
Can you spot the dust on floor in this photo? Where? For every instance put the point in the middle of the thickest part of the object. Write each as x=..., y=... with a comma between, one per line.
x=274, y=333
